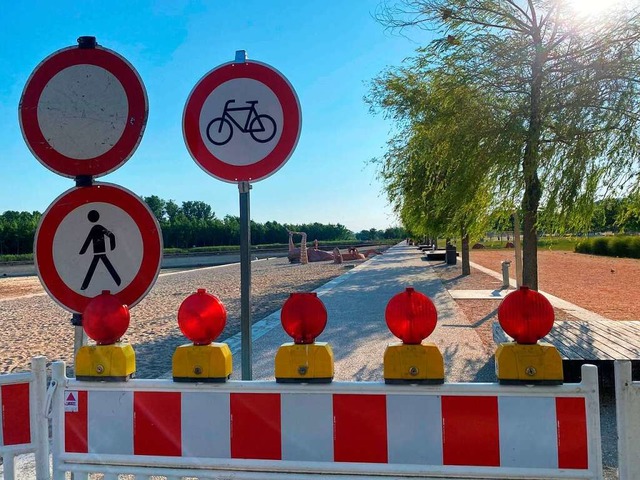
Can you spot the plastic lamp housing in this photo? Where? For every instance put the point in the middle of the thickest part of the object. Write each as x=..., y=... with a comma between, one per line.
x=105, y=319
x=526, y=315
x=303, y=317
x=411, y=316
x=202, y=317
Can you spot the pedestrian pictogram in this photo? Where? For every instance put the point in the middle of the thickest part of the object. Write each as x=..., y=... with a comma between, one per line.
x=83, y=110
x=242, y=121
x=97, y=238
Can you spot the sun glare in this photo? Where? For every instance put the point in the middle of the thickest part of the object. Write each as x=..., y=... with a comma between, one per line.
x=594, y=7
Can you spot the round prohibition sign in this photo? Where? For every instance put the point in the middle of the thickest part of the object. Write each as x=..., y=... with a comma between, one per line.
x=242, y=121
x=97, y=238
x=83, y=111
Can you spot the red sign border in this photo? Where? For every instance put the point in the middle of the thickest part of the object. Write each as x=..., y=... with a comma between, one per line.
x=65, y=204
x=292, y=123
x=123, y=149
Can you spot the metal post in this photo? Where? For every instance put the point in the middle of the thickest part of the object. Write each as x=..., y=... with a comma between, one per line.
x=505, y=273
x=245, y=279
x=79, y=337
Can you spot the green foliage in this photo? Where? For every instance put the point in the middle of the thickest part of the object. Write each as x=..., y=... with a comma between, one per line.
x=192, y=226
x=394, y=233
x=17, y=231
x=24, y=257
x=565, y=82
x=546, y=243
x=600, y=246
x=440, y=169
x=617, y=246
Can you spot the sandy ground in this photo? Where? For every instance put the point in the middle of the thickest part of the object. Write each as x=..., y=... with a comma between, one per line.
x=33, y=324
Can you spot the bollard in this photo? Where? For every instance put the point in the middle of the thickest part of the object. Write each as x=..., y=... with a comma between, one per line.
x=505, y=273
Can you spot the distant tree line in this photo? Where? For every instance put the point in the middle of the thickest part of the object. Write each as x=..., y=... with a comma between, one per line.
x=194, y=224
x=17, y=230
x=616, y=215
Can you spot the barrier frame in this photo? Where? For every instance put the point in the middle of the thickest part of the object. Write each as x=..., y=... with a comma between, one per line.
x=38, y=423
x=627, y=420
x=175, y=467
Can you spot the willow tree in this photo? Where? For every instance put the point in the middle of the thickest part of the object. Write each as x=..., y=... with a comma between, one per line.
x=440, y=170
x=569, y=83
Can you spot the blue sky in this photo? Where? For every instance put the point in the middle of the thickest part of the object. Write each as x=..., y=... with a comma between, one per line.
x=327, y=50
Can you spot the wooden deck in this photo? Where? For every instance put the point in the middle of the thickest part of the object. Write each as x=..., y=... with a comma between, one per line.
x=598, y=342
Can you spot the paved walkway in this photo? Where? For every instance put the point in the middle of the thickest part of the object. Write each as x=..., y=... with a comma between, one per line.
x=356, y=327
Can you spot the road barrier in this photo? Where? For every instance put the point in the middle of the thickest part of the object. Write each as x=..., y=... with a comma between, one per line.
x=24, y=425
x=268, y=430
x=628, y=421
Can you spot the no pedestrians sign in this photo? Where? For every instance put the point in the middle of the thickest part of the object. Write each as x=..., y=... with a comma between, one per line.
x=97, y=238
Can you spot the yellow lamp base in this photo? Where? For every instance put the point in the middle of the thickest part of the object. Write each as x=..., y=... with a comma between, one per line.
x=202, y=363
x=309, y=363
x=518, y=364
x=422, y=364
x=111, y=363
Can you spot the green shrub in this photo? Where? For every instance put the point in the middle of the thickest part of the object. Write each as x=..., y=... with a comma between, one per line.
x=619, y=246
x=624, y=247
x=583, y=246
x=600, y=246
x=23, y=257
x=634, y=247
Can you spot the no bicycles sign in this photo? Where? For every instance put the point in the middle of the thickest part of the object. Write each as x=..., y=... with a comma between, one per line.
x=242, y=121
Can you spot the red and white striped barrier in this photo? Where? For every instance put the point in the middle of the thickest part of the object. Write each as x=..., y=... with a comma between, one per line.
x=265, y=429
x=23, y=421
x=628, y=421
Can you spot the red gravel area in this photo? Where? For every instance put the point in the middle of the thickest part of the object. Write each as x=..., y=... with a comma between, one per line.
x=605, y=285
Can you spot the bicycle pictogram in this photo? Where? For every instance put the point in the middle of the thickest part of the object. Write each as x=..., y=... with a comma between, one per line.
x=261, y=127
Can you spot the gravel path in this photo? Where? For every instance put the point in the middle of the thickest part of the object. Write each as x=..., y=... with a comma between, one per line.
x=33, y=324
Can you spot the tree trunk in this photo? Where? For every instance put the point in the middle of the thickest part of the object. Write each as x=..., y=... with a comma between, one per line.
x=466, y=268
x=532, y=185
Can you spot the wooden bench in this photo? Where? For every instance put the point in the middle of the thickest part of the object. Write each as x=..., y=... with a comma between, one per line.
x=598, y=342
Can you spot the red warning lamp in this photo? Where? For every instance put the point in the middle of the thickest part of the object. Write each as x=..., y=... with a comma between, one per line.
x=202, y=317
x=411, y=316
x=526, y=315
x=303, y=317
x=105, y=319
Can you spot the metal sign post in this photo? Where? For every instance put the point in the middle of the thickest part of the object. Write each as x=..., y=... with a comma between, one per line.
x=82, y=113
x=245, y=278
x=241, y=123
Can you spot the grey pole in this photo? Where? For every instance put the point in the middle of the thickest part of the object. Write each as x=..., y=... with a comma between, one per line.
x=245, y=279
x=79, y=337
